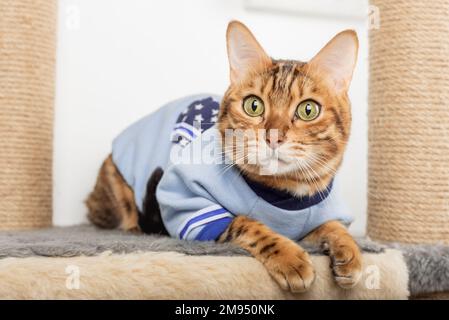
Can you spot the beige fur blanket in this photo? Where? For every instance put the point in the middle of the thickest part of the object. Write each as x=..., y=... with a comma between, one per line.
x=172, y=275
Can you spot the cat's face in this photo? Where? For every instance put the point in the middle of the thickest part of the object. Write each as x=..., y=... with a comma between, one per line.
x=295, y=116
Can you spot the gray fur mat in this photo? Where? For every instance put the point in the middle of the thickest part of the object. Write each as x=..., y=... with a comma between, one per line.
x=89, y=241
x=428, y=267
x=428, y=264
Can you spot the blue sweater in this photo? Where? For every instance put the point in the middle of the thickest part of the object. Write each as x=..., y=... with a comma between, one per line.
x=199, y=199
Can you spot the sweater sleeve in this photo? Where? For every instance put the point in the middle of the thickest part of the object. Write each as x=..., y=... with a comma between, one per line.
x=188, y=210
x=332, y=208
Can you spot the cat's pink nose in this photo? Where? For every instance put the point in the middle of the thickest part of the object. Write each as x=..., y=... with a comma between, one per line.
x=274, y=143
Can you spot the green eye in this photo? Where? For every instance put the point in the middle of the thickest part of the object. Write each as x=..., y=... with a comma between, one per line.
x=253, y=106
x=308, y=110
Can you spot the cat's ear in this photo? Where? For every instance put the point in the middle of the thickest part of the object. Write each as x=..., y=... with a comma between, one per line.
x=245, y=54
x=336, y=61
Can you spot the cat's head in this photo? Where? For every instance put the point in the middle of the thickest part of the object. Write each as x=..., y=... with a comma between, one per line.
x=299, y=112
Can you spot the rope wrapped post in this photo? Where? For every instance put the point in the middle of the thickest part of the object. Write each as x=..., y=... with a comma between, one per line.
x=27, y=69
x=408, y=198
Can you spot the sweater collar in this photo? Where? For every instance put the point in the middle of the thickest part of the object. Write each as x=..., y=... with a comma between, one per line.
x=285, y=200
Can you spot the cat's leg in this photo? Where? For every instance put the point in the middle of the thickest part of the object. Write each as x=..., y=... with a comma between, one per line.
x=285, y=260
x=346, y=259
x=111, y=204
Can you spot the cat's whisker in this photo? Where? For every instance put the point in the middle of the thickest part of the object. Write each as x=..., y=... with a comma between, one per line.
x=322, y=163
x=314, y=182
x=310, y=177
x=235, y=163
x=320, y=193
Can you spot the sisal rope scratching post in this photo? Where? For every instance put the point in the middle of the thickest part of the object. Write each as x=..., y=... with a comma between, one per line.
x=27, y=67
x=408, y=197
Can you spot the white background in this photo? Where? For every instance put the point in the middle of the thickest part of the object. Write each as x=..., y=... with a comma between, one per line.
x=121, y=59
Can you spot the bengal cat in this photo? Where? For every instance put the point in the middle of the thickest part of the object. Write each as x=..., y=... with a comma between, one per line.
x=307, y=103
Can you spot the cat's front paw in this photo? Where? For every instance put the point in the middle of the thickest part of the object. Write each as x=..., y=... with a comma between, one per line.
x=346, y=263
x=291, y=267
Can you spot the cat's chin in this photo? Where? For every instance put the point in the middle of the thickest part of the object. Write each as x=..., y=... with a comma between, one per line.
x=278, y=170
x=274, y=168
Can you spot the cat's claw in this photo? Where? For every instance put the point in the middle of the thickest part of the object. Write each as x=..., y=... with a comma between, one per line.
x=346, y=264
x=292, y=271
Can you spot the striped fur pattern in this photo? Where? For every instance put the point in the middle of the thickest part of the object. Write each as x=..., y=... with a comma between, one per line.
x=317, y=146
x=111, y=204
x=311, y=153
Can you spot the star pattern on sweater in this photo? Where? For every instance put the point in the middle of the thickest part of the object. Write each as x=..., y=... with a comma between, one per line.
x=199, y=116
